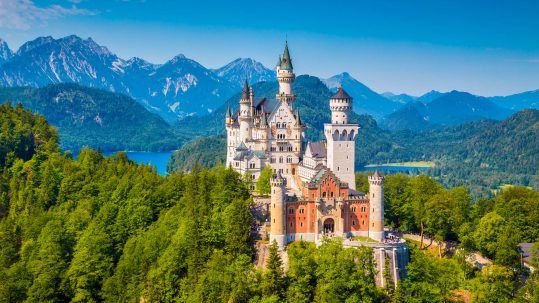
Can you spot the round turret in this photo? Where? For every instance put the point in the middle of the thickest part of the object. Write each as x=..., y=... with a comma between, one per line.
x=277, y=212
x=376, y=199
x=245, y=114
x=340, y=105
x=285, y=76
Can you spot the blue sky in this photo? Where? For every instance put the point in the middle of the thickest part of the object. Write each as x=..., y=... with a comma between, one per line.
x=484, y=47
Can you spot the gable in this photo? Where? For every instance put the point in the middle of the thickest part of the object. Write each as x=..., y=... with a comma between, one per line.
x=282, y=114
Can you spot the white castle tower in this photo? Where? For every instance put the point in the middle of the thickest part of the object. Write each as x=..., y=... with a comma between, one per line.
x=376, y=198
x=341, y=136
x=285, y=76
x=278, y=194
x=245, y=115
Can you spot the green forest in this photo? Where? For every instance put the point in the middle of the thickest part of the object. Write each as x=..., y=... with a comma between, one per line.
x=481, y=155
x=104, y=229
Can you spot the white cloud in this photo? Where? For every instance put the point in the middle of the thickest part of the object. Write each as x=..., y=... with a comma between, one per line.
x=23, y=14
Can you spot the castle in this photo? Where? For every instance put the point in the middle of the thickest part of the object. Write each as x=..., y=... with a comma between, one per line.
x=313, y=188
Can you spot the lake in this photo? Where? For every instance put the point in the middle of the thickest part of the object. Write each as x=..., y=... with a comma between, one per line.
x=158, y=160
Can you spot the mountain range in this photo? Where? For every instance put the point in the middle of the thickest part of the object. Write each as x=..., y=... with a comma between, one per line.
x=451, y=108
x=182, y=87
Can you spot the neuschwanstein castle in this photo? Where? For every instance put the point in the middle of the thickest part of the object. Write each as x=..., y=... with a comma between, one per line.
x=313, y=188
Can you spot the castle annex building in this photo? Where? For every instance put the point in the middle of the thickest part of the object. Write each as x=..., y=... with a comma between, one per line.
x=313, y=189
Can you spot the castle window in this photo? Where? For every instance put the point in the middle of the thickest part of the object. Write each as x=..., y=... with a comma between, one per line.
x=331, y=194
x=373, y=195
x=353, y=223
x=281, y=160
x=302, y=210
x=323, y=194
x=363, y=222
x=273, y=220
x=291, y=211
x=338, y=168
x=353, y=209
x=291, y=224
x=301, y=224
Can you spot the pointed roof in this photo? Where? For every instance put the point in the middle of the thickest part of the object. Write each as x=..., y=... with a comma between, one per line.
x=245, y=91
x=229, y=112
x=377, y=174
x=298, y=119
x=341, y=94
x=286, y=61
x=242, y=146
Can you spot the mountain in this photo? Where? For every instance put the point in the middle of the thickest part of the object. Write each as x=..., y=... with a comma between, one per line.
x=366, y=101
x=430, y=96
x=449, y=109
x=240, y=69
x=400, y=98
x=96, y=118
x=529, y=99
x=5, y=52
x=176, y=89
x=187, y=87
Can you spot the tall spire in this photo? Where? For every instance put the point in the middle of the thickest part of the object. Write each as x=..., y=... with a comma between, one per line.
x=286, y=61
x=245, y=92
x=229, y=112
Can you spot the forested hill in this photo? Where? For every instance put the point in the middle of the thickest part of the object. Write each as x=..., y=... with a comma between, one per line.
x=482, y=155
x=96, y=118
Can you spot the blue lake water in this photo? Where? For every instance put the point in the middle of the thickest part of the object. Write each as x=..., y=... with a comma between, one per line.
x=158, y=160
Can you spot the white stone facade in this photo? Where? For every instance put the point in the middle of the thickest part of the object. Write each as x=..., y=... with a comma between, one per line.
x=269, y=132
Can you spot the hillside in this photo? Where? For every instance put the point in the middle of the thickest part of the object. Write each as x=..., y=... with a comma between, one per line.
x=525, y=100
x=481, y=155
x=452, y=108
x=96, y=118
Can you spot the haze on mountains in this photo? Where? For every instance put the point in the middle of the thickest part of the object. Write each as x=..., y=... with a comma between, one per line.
x=180, y=87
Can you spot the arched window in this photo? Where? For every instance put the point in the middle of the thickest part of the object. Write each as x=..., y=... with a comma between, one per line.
x=323, y=194
x=280, y=159
x=290, y=210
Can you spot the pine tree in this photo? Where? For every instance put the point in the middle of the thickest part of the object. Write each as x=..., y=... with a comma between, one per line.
x=274, y=282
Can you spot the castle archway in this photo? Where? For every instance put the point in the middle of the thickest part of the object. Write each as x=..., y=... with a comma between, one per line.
x=329, y=226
